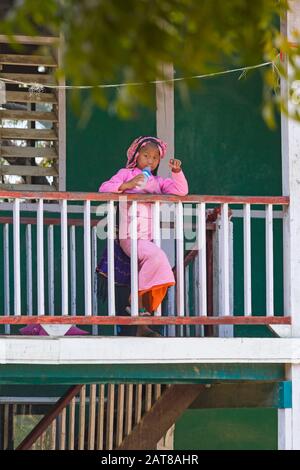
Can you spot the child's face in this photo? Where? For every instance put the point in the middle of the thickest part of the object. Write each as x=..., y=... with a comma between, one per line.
x=148, y=156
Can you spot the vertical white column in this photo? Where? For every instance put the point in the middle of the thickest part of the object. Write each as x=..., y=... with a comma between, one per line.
x=73, y=268
x=201, y=240
x=29, y=269
x=156, y=235
x=225, y=305
x=40, y=258
x=17, y=258
x=64, y=259
x=179, y=260
x=290, y=138
x=87, y=259
x=50, y=270
x=165, y=130
x=290, y=132
x=289, y=418
x=269, y=261
x=285, y=429
x=134, y=260
x=6, y=275
x=165, y=115
x=247, y=261
x=111, y=259
x=61, y=128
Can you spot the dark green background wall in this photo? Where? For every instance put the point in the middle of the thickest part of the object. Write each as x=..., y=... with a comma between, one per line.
x=226, y=148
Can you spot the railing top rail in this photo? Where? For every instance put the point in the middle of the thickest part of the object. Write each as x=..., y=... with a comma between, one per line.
x=103, y=197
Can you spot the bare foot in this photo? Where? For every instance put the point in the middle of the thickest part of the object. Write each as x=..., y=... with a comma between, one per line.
x=143, y=330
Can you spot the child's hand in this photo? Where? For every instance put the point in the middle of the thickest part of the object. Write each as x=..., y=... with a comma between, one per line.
x=175, y=165
x=138, y=179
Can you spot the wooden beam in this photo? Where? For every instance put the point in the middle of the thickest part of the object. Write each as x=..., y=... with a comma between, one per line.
x=28, y=115
x=193, y=373
x=27, y=170
x=25, y=97
x=154, y=424
x=22, y=39
x=44, y=79
x=30, y=60
x=28, y=152
x=104, y=197
x=122, y=320
x=29, y=187
x=27, y=134
x=244, y=395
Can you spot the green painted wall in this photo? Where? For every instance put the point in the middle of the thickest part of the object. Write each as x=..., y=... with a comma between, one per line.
x=97, y=151
x=229, y=429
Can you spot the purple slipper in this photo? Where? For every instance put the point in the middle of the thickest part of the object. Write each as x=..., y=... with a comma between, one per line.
x=37, y=330
x=33, y=330
x=75, y=331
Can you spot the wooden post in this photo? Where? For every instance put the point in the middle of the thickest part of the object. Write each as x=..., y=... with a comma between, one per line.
x=165, y=130
x=289, y=421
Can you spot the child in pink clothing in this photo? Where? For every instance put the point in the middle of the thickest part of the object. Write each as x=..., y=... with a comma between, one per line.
x=155, y=275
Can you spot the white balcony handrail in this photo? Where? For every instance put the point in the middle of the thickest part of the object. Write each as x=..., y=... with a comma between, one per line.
x=84, y=222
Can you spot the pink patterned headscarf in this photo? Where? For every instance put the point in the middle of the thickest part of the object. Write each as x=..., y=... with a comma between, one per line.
x=137, y=144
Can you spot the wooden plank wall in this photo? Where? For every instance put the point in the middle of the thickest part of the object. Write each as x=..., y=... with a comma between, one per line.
x=32, y=123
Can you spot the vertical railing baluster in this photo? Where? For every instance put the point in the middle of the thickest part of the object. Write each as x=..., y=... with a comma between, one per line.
x=111, y=259
x=134, y=260
x=247, y=260
x=64, y=259
x=17, y=257
x=87, y=259
x=269, y=261
x=138, y=402
x=92, y=417
x=110, y=417
x=225, y=260
x=128, y=408
x=81, y=422
x=196, y=290
x=53, y=435
x=100, y=417
x=62, y=431
x=29, y=269
x=95, y=278
x=50, y=270
x=187, y=298
x=179, y=260
x=156, y=236
x=73, y=268
x=71, y=427
x=148, y=397
x=40, y=258
x=7, y=311
x=120, y=414
x=201, y=241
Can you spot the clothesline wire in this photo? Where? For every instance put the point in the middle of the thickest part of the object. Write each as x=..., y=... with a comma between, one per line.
x=40, y=87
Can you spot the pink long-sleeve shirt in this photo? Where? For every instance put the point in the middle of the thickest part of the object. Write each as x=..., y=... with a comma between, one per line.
x=155, y=185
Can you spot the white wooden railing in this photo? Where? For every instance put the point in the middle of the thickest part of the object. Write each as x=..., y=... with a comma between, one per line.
x=52, y=237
